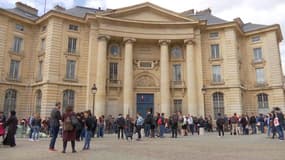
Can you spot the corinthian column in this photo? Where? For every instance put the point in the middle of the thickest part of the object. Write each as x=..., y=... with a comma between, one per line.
x=190, y=78
x=128, y=76
x=100, y=100
x=164, y=77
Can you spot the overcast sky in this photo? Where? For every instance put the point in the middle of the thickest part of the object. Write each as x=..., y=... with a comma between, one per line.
x=256, y=11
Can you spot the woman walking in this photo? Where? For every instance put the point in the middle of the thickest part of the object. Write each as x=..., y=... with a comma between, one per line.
x=69, y=130
x=12, y=128
x=36, y=126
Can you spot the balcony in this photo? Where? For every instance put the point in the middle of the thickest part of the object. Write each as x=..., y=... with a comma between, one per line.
x=114, y=83
x=70, y=79
x=177, y=84
x=258, y=62
x=261, y=84
x=13, y=78
x=17, y=53
x=72, y=53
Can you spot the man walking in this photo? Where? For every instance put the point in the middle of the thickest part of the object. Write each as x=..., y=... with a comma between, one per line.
x=55, y=116
x=220, y=124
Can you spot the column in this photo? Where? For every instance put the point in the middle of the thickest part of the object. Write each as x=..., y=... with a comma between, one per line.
x=128, y=94
x=164, y=77
x=191, y=78
x=101, y=71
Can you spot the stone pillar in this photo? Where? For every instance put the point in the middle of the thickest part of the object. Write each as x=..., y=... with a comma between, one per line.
x=101, y=71
x=191, y=78
x=164, y=77
x=128, y=76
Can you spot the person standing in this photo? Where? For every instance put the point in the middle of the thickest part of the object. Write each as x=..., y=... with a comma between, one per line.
x=234, y=124
x=2, y=122
x=36, y=126
x=220, y=124
x=69, y=130
x=139, y=124
x=129, y=129
x=191, y=124
x=148, y=123
x=161, y=124
x=11, y=124
x=252, y=122
x=88, y=130
x=174, y=125
x=121, y=125
x=55, y=117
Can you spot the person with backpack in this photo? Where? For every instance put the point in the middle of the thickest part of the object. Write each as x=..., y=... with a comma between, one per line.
x=161, y=124
x=220, y=124
x=234, y=124
x=148, y=123
x=69, y=129
x=139, y=124
x=121, y=125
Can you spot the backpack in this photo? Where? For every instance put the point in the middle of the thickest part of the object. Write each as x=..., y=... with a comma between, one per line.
x=233, y=119
x=159, y=122
x=67, y=125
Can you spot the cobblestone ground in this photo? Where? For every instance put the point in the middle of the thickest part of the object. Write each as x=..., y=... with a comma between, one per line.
x=253, y=147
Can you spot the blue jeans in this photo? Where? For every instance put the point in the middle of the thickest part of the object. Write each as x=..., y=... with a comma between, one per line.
x=161, y=130
x=54, y=133
x=262, y=127
x=87, y=139
x=147, y=130
x=100, y=132
x=253, y=127
x=280, y=132
x=269, y=131
x=36, y=132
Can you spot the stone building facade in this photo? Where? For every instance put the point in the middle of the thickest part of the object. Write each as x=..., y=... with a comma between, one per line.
x=141, y=57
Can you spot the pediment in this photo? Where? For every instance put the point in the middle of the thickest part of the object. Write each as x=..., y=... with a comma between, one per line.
x=147, y=12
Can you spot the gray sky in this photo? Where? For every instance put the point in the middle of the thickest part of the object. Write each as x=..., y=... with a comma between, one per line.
x=256, y=11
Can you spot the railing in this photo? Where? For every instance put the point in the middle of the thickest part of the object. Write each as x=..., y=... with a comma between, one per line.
x=114, y=83
x=72, y=53
x=177, y=84
x=11, y=77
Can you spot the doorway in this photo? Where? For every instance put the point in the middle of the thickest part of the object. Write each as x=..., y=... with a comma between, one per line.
x=145, y=103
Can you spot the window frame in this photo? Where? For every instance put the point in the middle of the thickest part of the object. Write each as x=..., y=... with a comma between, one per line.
x=215, y=51
x=113, y=71
x=70, y=64
x=72, y=45
x=10, y=101
x=14, y=71
x=218, y=104
x=262, y=101
x=177, y=72
x=258, y=76
x=216, y=74
x=17, y=45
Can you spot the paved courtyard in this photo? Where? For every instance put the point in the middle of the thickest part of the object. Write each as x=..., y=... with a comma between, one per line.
x=209, y=146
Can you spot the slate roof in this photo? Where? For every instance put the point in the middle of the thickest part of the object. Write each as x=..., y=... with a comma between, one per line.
x=79, y=11
x=22, y=13
x=211, y=19
x=251, y=27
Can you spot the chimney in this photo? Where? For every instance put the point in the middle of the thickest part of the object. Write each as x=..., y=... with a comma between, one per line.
x=188, y=12
x=59, y=8
x=206, y=11
x=26, y=8
x=239, y=21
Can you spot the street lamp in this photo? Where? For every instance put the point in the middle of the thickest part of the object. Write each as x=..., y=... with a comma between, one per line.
x=204, y=94
x=94, y=90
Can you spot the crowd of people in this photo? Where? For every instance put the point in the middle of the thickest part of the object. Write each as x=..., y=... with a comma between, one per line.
x=84, y=125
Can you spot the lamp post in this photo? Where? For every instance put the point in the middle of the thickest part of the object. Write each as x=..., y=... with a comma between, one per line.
x=94, y=90
x=204, y=94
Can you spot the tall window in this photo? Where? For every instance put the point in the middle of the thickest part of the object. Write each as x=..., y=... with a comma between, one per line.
x=216, y=69
x=177, y=72
x=260, y=75
x=40, y=71
x=68, y=99
x=10, y=101
x=14, y=70
x=257, y=54
x=43, y=44
x=17, y=44
x=218, y=102
x=215, y=51
x=70, y=69
x=177, y=105
x=113, y=75
x=38, y=101
x=262, y=100
x=72, y=45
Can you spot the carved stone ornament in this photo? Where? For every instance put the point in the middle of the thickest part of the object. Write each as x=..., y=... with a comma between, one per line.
x=145, y=81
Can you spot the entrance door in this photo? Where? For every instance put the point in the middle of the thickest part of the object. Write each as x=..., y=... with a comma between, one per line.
x=145, y=103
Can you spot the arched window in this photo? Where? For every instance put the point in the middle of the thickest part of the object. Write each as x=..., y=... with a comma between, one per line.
x=68, y=99
x=218, y=102
x=10, y=101
x=38, y=101
x=262, y=100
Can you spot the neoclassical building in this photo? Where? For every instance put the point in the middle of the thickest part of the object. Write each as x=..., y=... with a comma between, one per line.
x=141, y=57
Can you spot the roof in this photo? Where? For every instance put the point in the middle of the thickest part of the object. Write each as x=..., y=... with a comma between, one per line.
x=22, y=13
x=79, y=11
x=211, y=19
x=251, y=27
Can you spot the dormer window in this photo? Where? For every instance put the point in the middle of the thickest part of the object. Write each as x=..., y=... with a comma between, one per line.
x=73, y=27
x=214, y=35
x=19, y=27
x=255, y=39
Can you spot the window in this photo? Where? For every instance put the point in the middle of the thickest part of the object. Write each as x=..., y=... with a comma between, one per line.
x=216, y=69
x=177, y=105
x=72, y=45
x=43, y=44
x=14, y=70
x=73, y=27
x=260, y=75
x=255, y=39
x=68, y=99
x=176, y=52
x=114, y=49
x=177, y=72
x=215, y=51
x=218, y=104
x=44, y=28
x=262, y=100
x=17, y=44
x=70, y=69
x=19, y=27
x=257, y=54
x=113, y=71
x=38, y=101
x=40, y=71
x=214, y=34
x=10, y=101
